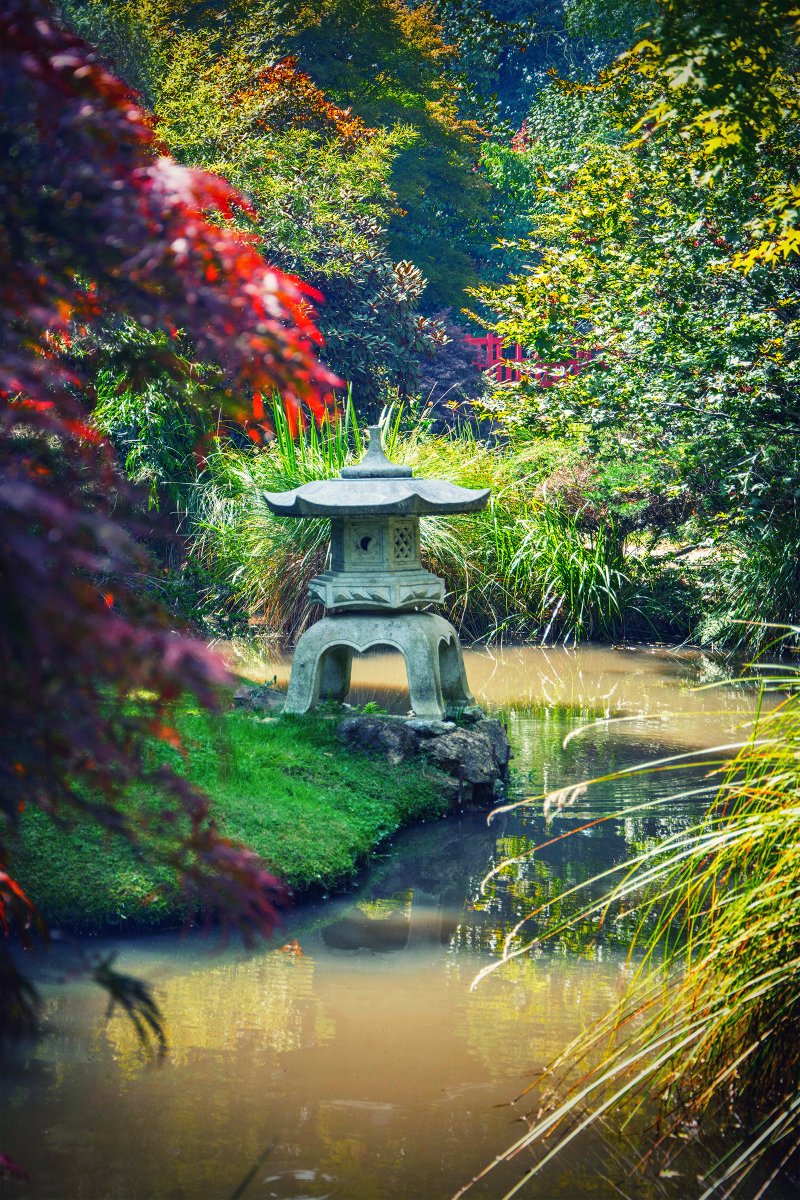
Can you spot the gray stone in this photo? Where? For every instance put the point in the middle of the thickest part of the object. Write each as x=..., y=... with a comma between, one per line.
x=376, y=585
x=452, y=792
x=376, y=486
x=429, y=645
x=472, y=763
x=494, y=731
x=259, y=698
x=472, y=713
x=372, y=735
x=430, y=728
x=465, y=754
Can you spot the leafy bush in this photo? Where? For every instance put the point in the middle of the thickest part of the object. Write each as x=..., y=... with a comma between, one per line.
x=586, y=590
x=232, y=94
x=683, y=293
x=156, y=419
x=760, y=573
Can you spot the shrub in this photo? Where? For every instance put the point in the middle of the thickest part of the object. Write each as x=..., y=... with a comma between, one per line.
x=760, y=573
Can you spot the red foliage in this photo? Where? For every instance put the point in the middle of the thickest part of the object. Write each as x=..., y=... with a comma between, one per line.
x=522, y=140
x=96, y=221
x=11, y=1170
x=284, y=97
x=16, y=911
x=98, y=224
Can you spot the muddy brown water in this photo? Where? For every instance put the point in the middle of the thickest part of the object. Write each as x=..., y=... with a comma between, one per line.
x=350, y=1059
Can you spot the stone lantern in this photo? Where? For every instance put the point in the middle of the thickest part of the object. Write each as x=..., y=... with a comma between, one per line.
x=376, y=586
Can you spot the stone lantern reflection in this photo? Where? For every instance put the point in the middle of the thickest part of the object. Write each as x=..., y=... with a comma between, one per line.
x=376, y=587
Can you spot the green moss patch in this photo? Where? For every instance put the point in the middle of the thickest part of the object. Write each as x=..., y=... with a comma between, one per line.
x=287, y=788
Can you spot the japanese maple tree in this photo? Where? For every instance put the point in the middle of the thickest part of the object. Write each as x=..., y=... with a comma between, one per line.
x=97, y=225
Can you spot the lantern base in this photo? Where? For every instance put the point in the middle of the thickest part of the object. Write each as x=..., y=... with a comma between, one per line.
x=377, y=591
x=437, y=682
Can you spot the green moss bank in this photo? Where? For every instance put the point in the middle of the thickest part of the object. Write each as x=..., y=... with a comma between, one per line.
x=286, y=787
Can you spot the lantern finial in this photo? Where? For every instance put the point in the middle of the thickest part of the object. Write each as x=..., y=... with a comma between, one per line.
x=375, y=464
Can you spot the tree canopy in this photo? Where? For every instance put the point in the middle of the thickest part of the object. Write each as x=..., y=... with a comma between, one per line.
x=647, y=250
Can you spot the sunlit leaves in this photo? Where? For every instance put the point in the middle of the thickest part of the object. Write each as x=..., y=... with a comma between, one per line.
x=318, y=178
x=725, y=80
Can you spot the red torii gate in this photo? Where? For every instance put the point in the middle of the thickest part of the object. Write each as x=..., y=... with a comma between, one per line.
x=489, y=357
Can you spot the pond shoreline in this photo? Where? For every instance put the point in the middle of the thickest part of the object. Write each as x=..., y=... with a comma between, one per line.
x=319, y=814
x=354, y=1038
x=315, y=812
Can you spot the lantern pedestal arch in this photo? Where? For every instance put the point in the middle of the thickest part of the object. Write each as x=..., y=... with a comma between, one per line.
x=437, y=681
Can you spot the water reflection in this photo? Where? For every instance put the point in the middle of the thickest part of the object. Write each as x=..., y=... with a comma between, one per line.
x=656, y=686
x=351, y=1059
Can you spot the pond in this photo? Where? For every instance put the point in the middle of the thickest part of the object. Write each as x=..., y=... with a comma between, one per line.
x=351, y=1059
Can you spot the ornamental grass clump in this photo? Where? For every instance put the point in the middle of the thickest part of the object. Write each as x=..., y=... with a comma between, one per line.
x=267, y=561
x=524, y=566
x=707, y=1036
x=758, y=573
x=586, y=588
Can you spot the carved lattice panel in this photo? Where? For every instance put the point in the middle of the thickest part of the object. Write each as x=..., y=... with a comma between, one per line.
x=403, y=543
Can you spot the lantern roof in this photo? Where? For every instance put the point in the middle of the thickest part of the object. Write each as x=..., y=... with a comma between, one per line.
x=375, y=487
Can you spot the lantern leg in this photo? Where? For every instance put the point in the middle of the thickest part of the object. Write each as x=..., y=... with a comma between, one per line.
x=307, y=668
x=455, y=688
x=425, y=688
x=417, y=638
x=321, y=668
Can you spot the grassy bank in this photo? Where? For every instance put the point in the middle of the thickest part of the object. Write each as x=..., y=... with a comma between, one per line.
x=286, y=788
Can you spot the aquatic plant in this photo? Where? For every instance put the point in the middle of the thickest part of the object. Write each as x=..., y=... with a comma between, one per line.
x=707, y=1031
x=585, y=586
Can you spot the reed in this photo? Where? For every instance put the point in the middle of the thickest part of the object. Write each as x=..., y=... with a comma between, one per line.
x=759, y=574
x=265, y=561
x=708, y=1032
x=522, y=567
x=586, y=589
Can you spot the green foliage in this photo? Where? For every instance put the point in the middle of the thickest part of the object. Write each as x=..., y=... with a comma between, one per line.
x=553, y=139
x=388, y=61
x=726, y=76
x=633, y=258
x=485, y=41
x=284, y=787
x=707, y=1028
x=506, y=48
x=228, y=98
x=729, y=63
x=760, y=573
x=586, y=589
x=614, y=20
x=156, y=420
